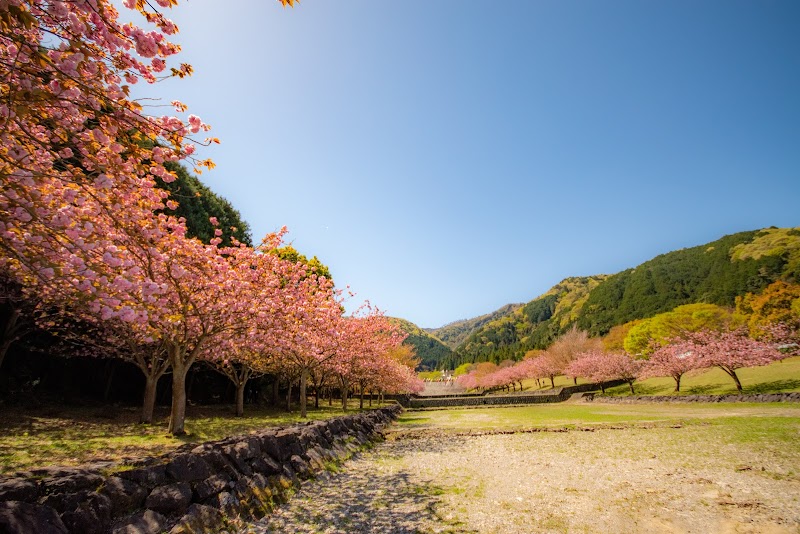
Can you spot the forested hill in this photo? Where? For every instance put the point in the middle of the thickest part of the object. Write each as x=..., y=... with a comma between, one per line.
x=430, y=349
x=533, y=325
x=715, y=273
x=453, y=334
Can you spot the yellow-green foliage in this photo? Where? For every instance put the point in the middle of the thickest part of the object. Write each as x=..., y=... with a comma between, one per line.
x=462, y=369
x=573, y=293
x=770, y=242
x=777, y=303
x=657, y=330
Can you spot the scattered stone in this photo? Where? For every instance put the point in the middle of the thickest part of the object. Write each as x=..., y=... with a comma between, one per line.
x=147, y=522
x=199, y=518
x=92, y=516
x=210, y=486
x=188, y=468
x=148, y=477
x=170, y=499
x=19, y=489
x=124, y=494
x=266, y=465
x=24, y=518
x=300, y=466
x=288, y=444
x=64, y=502
x=79, y=480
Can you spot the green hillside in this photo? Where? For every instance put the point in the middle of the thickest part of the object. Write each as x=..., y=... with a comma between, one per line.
x=455, y=333
x=532, y=326
x=715, y=273
x=430, y=349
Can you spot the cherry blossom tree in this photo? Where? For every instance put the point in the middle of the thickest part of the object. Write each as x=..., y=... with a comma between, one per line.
x=545, y=366
x=600, y=367
x=731, y=351
x=570, y=344
x=365, y=341
x=674, y=359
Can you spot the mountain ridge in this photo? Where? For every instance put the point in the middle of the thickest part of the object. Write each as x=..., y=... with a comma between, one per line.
x=716, y=273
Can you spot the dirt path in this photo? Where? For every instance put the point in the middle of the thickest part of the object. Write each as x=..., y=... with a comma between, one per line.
x=658, y=479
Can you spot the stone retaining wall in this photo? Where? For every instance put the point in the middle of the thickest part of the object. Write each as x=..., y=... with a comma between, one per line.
x=765, y=397
x=199, y=489
x=554, y=395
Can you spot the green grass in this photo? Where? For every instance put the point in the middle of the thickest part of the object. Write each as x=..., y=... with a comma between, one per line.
x=746, y=436
x=46, y=436
x=586, y=415
x=777, y=377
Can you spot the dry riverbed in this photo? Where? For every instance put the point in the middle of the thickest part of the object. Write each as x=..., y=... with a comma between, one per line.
x=624, y=477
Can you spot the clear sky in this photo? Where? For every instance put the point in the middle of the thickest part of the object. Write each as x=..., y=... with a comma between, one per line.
x=446, y=157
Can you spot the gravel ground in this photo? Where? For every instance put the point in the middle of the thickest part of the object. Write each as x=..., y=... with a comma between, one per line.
x=630, y=479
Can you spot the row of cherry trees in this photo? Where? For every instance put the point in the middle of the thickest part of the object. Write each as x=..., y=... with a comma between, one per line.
x=85, y=239
x=576, y=356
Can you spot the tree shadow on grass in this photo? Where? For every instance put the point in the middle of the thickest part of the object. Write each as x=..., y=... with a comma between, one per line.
x=706, y=389
x=645, y=389
x=775, y=386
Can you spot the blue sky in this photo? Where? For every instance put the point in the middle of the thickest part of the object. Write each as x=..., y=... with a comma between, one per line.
x=447, y=157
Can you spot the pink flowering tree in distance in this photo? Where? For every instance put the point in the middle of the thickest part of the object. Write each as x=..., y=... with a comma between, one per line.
x=366, y=338
x=545, y=366
x=731, y=351
x=252, y=348
x=600, y=367
x=618, y=366
x=674, y=359
x=588, y=365
x=312, y=324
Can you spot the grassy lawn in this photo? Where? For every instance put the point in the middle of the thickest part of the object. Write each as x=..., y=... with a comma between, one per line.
x=780, y=419
x=55, y=435
x=777, y=377
x=774, y=378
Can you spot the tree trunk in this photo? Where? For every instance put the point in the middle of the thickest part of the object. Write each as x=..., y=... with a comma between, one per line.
x=361, y=397
x=603, y=387
x=677, y=383
x=316, y=398
x=240, y=398
x=736, y=379
x=4, y=346
x=303, y=397
x=149, y=403
x=276, y=392
x=552, y=382
x=345, y=388
x=180, y=368
x=631, y=385
x=8, y=334
x=330, y=396
x=370, y=398
x=575, y=380
x=111, y=368
x=289, y=396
